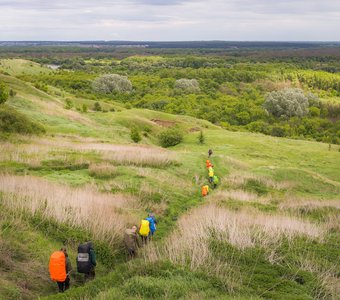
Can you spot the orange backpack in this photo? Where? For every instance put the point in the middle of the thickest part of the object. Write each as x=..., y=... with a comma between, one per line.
x=207, y=163
x=57, y=266
x=205, y=190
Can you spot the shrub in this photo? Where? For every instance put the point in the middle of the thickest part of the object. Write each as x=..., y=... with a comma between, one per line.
x=69, y=104
x=314, y=111
x=12, y=93
x=135, y=135
x=188, y=85
x=84, y=108
x=97, y=107
x=201, y=138
x=3, y=93
x=109, y=83
x=12, y=121
x=287, y=103
x=170, y=137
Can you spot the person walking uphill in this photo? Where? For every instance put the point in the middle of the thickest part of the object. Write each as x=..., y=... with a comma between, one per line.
x=86, y=260
x=152, y=224
x=131, y=241
x=210, y=152
x=60, y=268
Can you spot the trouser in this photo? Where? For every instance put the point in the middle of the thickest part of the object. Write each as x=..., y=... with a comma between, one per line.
x=91, y=274
x=132, y=253
x=64, y=285
x=144, y=239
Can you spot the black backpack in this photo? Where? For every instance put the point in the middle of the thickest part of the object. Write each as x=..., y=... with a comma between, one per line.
x=84, y=264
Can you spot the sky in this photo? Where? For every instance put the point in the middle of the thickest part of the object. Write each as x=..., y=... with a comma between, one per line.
x=170, y=20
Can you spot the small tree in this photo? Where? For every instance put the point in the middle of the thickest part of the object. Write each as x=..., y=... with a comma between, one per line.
x=201, y=138
x=68, y=104
x=97, y=107
x=3, y=93
x=135, y=135
x=187, y=85
x=110, y=83
x=170, y=137
x=84, y=108
x=287, y=103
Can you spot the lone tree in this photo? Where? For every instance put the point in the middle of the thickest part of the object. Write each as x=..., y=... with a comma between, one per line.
x=110, y=83
x=187, y=85
x=3, y=93
x=287, y=103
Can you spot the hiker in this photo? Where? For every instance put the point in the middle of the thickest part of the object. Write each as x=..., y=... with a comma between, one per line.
x=208, y=163
x=211, y=174
x=152, y=224
x=144, y=230
x=60, y=269
x=210, y=152
x=131, y=241
x=205, y=190
x=215, y=181
x=86, y=260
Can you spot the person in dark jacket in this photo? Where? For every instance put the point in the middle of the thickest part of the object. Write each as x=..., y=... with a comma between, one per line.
x=210, y=152
x=131, y=241
x=65, y=285
x=92, y=273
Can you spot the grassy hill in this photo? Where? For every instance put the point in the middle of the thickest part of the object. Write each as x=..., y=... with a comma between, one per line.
x=270, y=230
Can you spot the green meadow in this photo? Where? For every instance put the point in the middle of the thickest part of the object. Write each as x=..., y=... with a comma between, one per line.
x=271, y=229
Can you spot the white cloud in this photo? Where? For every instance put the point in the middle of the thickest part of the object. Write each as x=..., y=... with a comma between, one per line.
x=169, y=20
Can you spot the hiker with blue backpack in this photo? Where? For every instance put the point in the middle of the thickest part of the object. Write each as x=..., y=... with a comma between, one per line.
x=152, y=223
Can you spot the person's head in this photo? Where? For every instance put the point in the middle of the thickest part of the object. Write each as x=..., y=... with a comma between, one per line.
x=63, y=249
x=134, y=228
x=150, y=214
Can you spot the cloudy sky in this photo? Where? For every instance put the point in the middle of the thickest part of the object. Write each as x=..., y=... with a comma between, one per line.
x=165, y=20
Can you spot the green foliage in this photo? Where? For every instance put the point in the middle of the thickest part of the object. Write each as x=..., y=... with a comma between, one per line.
x=97, y=106
x=287, y=103
x=69, y=104
x=3, y=93
x=187, y=85
x=12, y=121
x=201, y=138
x=135, y=134
x=84, y=108
x=170, y=137
x=109, y=83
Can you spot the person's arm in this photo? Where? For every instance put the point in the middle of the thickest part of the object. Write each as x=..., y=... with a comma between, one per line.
x=137, y=241
x=93, y=257
x=68, y=266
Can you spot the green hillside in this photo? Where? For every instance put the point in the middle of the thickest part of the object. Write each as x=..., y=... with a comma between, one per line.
x=271, y=229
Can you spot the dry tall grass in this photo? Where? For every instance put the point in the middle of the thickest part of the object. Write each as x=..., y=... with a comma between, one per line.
x=241, y=178
x=103, y=170
x=239, y=195
x=189, y=243
x=98, y=213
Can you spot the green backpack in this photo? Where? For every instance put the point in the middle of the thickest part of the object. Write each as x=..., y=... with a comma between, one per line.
x=216, y=180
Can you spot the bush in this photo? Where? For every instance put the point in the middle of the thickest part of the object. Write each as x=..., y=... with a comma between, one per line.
x=84, y=108
x=110, y=83
x=97, y=107
x=69, y=104
x=287, y=103
x=170, y=137
x=12, y=121
x=201, y=138
x=135, y=135
x=188, y=85
x=3, y=93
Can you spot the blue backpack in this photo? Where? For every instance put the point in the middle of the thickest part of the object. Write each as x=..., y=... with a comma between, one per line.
x=152, y=224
